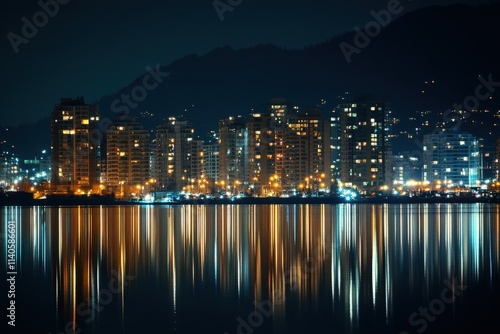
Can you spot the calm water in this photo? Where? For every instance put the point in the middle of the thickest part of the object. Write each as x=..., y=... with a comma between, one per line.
x=255, y=269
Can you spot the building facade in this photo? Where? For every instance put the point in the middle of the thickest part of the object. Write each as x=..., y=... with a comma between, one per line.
x=279, y=111
x=498, y=159
x=173, y=150
x=261, y=151
x=451, y=157
x=9, y=169
x=197, y=171
x=365, y=150
x=335, y=140
x=405, y=168
x=75, y=165
x=233, y=154
x=307, y=163
x=127, y=149
x=211, y=151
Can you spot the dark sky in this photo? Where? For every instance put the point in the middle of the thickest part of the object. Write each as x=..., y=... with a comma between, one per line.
x=93, y=48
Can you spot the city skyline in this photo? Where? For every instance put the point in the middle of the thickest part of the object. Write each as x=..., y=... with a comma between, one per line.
x=131, y=157
x=281, y=150
x=257, y=167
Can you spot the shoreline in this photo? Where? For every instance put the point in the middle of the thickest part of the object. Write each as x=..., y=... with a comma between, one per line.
x=108, y=201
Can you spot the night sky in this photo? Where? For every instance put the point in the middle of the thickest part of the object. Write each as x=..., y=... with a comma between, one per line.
x=92, y=48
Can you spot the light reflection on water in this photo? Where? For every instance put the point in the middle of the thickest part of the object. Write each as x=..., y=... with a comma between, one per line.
x=344, y=268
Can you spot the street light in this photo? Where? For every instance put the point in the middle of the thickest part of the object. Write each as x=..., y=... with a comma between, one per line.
x=121, y=188
x=236, y=186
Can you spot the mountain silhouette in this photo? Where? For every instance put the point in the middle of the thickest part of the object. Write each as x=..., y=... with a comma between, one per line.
x=448, y=47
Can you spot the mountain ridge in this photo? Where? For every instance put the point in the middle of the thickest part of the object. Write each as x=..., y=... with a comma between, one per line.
x=450, y=45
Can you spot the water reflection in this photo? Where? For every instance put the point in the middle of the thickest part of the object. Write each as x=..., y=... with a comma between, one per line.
x=346, y=268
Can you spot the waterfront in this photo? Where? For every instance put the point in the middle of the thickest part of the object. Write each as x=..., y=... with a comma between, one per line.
x=345, y=268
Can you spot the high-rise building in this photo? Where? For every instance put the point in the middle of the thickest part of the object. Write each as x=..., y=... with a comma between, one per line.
x=335, y=140
x=75, y=165
x=173, y=149
x=451, y=157
x=152, y=159
x=267, y=132
x=127, y=151
x=196, y=173
x=405, y=168
x=9, y=168
x=45, y=168
x=498, y=159
x=261, y=150
x=279, y=111
x=487, y=160
x=365, y=150
x=233, y=154
x=307, y=163
x=211, y=152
